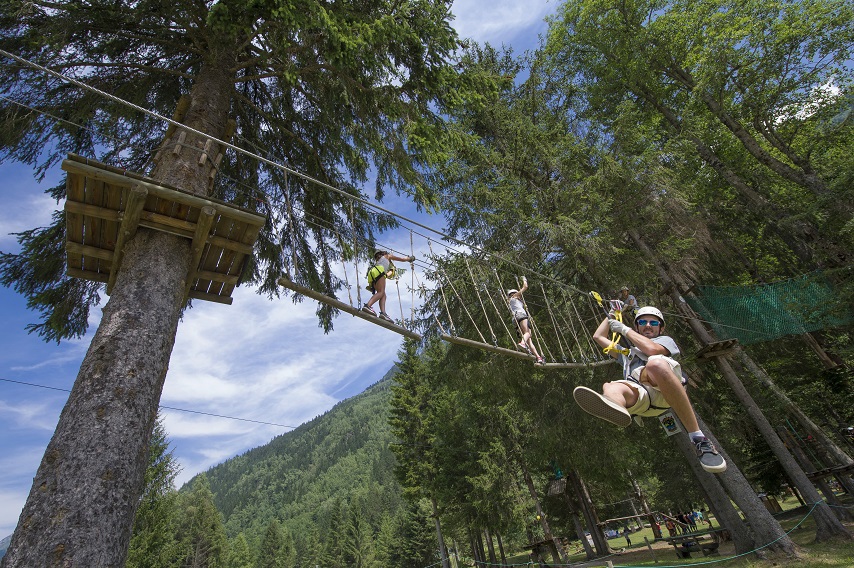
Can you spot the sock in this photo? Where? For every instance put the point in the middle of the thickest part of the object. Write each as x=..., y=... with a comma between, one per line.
x=695, y=435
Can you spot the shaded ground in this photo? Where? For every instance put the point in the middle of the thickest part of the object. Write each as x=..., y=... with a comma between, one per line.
x=794, y=520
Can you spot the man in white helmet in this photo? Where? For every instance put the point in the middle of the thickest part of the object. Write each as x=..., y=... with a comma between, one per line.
x=652, y=382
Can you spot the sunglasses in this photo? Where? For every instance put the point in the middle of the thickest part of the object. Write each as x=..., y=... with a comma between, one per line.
x=653, y=323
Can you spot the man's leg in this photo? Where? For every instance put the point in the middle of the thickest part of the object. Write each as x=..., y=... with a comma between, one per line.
x=611, y=406
x=659, y=374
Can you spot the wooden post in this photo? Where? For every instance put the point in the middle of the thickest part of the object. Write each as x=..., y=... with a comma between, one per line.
x=649, y=546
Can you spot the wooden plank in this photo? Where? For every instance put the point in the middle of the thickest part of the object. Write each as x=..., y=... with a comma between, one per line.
x=717, y=349
x=230, y=262
x=94, y=252
x=185, y=227
x=114, y=202
x=215, y=276
x=210, y=259
x=171, y=194
x=73, y=221
x=210, y=297
x=239, y=264
x=323, y=298
x=92, y=226
x=134, y=203
x=203, y=226
x=485, y=346
x=92, y=211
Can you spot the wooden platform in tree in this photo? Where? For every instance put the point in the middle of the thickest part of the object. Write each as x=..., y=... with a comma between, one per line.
x=105, y=206
x=717, y=349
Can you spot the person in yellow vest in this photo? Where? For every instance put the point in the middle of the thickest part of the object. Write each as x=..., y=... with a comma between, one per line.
x=382, y=269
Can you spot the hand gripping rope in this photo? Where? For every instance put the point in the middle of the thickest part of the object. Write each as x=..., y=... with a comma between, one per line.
x=613, y=308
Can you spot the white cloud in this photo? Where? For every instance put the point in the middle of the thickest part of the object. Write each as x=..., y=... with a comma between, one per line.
x=502, y=21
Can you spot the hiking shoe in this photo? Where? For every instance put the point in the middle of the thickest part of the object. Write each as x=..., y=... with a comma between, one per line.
x=598, y=405
x=709, y=457
x=369, y=309
x=385, y=316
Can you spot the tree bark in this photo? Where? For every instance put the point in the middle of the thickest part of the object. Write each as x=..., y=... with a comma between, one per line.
x=85, y=493
x=827, y=525
x=547, y=531
x=589, y=512
x=829, y=446
x=579, y=528
x=443, y=551
x=738, y=490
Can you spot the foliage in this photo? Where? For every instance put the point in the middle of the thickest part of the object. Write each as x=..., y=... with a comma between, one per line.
x=334, y=91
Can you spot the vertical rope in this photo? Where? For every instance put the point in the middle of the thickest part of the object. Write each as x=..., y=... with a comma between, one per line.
x=356, y=254
x=480, y=301
x=291, y=224
x=344, y=267
x=399, y=302
x=554, y=322
x=442, y=288
x=412, y=279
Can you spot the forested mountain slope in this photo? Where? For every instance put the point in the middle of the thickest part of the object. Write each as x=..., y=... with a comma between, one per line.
x=304, y=477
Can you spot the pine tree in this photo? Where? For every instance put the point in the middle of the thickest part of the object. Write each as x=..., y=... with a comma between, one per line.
x=199, y=530
x=329, y=89
x=153, y=540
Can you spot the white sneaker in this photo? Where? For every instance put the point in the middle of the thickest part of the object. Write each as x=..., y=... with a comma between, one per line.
x=599, y=406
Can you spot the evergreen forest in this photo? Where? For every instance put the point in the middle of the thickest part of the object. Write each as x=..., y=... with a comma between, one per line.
x=700, y=154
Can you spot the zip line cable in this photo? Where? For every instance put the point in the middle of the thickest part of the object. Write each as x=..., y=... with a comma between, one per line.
x=297, y=173
x=165, y=407
x=271, y=163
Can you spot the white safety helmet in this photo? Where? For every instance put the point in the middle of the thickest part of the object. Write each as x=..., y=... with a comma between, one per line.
x=511, y=291
x=649, y=311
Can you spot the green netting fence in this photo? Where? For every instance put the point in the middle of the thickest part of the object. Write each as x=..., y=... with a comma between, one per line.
x=764, y=312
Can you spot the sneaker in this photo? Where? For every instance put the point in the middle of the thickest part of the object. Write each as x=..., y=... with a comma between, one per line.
x=385, y=316
x=369, y=309
x=523, y=346
x=540, y=361
x=598, y=405
x=709, y=457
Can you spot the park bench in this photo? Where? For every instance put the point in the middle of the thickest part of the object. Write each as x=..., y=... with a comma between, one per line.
x=688, y=543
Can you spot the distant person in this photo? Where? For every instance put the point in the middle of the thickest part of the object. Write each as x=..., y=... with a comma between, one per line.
x=630, y=303
x=626, y=534
x=671, y=527
x=522, y=319
x=382, y=269
x=652, y=382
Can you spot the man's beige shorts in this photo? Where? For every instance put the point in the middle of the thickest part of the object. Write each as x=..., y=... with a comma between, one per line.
x=650, y=400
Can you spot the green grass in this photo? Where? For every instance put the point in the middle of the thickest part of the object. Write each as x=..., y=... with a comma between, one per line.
x=836, y=554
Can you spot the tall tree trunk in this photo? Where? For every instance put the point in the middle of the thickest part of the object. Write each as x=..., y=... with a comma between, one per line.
x=84, y=496
x=544, y=522
x=656, y=528
x=827, y=525
x=501, y=550
x=443, y=551
x=490, y=546
x=579, y=528
x=589, y=512
x=809, y=467
x=738, y=491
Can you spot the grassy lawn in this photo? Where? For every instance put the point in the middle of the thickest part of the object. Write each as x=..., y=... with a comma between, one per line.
x=839, y=554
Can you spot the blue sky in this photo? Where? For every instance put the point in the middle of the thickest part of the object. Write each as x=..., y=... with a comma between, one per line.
x=256, y=359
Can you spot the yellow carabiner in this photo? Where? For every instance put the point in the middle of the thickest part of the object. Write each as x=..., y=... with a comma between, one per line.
x=615, y=337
